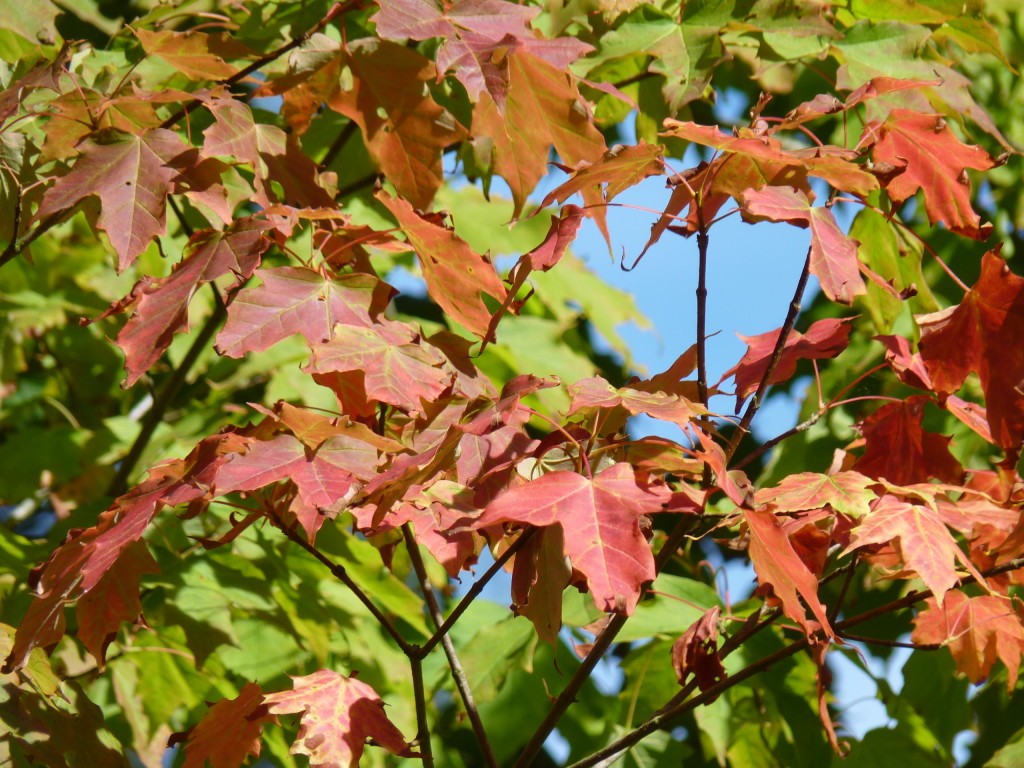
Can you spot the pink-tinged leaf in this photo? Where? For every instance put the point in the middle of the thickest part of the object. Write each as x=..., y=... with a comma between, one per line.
x=777, y=563
x=596, y=393
x=338, y=715
x=539, y=577
x=934, y=161
x=243, y=717
x=982, y=334
x=696, y=652
x=544, y=109
x=824, y=339
x=299, y=300
x=269, y=151
x=457, y=277
x=114, y=599
x=600, y=182
x=131, y=175
x=397, y=368
x=901, y=451
x=161, y=306
x=977, y=630
x=925, y=544
x=907, y=365
x=846, y=492
x=83, y=561
x=833, y=254
x=601, y=517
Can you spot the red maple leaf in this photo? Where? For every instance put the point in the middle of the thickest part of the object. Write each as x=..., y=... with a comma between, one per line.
x=901, y=451
x=338, y=715
x=294, y=300
x=982, y=334
x=229, y=733
x=475, y=38
x=161, y=306
x=934, y=161
x=596, y=393
x=977, y=630
x=777, y=563
x=846, y=492
x=132, y=176
x=833, y=254
x=824, y=339
x=602, y=519
x=396, y=367
x=544, y=109
x=457, y=277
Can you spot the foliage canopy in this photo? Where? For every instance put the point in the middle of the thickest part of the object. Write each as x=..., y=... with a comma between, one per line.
x=248, y=543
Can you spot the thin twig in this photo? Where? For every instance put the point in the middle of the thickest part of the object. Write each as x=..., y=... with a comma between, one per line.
x=474, y=592
x=339, y=572
x=780, y=345
x=338, y=144
x=461, y=682
x=422, y=725
x=891, y=643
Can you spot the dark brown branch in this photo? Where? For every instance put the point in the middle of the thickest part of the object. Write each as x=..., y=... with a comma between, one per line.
x=474, y=592
x=458, y=675
x=338, y=144
x=891, y=643
x=780, y=345
x=339, y=572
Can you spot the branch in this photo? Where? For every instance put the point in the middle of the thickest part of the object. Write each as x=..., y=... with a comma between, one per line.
x=474, y=592
x=339, y=572
x=422, y=727
x=780, y=344
x=461, y=682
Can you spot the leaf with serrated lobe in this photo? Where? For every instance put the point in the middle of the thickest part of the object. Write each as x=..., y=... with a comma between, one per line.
x=338, y=715
x=601, y=518
x=229, y=733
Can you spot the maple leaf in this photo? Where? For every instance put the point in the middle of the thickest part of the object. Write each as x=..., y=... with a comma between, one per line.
x=982, y=335
x=457, y=277
x=925, y=544
x=596, y=393
x=161, y=306
x=269, y=151
x=396, y=368
x=195, y=54
x=696, y=652
x=404, y=128
x=824, y=339
x=540, y=575
x=299, y=300
x=132, y=176
x=778, y=564
x=243, y=717
x=901, y=451
x=846, y=492
x=475, y=37
x=977, y=630
x=544, y=109
x=601, y=516
x=833, y=255
x=934, y=161
x=338, y=715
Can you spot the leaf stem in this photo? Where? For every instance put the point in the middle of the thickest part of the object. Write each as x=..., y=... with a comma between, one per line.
x=780, y=345
x=461, y=682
